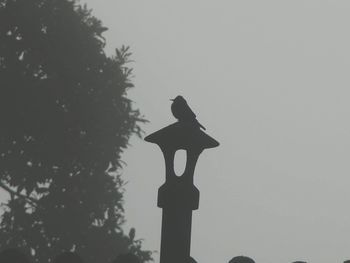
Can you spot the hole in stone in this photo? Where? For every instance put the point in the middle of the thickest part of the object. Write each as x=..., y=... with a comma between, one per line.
x=180, y=162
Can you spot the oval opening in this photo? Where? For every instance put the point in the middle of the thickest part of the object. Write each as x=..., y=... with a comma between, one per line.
x=180, y=162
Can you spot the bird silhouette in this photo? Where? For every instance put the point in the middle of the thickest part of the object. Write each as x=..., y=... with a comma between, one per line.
x=132, y=234
x=183, y=112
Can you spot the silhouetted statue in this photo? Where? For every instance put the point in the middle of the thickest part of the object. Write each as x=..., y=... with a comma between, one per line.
x=127, y=258
x=241, y=259
x=178, y=196
x=13, y=255
x=68, y=257
x=183, y=112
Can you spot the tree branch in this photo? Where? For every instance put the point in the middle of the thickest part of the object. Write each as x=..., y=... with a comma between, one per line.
x=28, y=199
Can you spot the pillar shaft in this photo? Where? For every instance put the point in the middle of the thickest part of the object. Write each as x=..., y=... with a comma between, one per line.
x=178, y=199
x=178, y=196
x=176, y=236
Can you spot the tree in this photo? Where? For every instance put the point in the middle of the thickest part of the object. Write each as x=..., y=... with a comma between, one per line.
x=65, y=120
x=13, y=255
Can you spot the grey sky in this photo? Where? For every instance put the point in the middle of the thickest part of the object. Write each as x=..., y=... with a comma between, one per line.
x=270, y=81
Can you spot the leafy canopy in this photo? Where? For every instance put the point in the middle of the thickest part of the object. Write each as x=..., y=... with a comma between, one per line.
x=65, y=120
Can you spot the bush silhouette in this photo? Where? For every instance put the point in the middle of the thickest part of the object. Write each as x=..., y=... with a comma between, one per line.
x=241, y=259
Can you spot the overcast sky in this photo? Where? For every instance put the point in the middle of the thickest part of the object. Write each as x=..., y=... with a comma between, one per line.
x=270, y=81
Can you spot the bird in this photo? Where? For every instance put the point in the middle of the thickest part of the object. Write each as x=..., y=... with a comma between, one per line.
x=183, y=112
x=132, y=234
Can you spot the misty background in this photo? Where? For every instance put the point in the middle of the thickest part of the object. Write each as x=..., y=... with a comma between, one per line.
x=270, y=81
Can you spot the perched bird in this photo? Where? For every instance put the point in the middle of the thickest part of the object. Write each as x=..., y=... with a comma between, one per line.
x=132, y=234
x=183, y=112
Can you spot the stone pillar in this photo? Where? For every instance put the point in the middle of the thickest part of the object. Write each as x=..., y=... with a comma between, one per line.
x=178, y=196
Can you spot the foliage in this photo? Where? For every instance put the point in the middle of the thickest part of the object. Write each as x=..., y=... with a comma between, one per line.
x=65, y=122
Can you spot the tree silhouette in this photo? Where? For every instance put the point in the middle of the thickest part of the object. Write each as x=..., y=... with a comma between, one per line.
x=126, y=258
x=65, y=121
x=12, y=255
x=68, y=257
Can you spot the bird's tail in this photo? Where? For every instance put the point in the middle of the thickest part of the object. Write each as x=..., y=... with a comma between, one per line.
x=200, y=125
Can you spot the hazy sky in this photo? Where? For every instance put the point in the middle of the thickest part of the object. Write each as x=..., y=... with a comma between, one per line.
x=270, y=81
